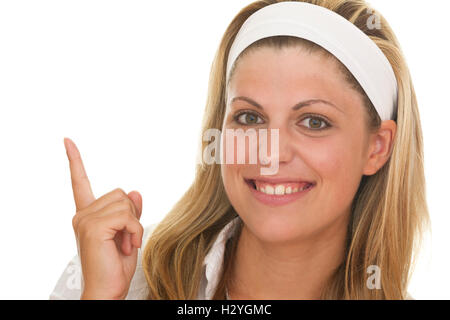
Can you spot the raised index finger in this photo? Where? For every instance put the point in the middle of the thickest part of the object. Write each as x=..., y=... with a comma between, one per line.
x=82, y=192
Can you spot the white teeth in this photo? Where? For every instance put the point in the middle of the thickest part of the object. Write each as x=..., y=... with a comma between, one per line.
x=279, y=189
x=269, y=190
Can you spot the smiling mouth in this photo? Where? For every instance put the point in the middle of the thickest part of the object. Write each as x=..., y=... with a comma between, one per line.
x=280, y=188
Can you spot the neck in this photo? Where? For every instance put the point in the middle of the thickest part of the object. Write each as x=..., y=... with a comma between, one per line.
x=296, y=270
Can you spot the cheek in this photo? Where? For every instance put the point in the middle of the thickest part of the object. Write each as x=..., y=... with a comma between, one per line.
x=232, y=170
x=229, y=173
x=234, y=185
x=338, y=163
x=238, y=155
x=240, y=146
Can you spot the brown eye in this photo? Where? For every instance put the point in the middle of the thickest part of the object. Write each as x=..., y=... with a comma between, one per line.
x=248, y=118
x=251, y=118
x=315, y=123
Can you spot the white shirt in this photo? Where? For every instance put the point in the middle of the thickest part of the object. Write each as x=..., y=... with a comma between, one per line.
x=70, y=283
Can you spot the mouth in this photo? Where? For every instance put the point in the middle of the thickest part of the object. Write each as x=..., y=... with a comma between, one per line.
x=279, y=188
x=276, y=192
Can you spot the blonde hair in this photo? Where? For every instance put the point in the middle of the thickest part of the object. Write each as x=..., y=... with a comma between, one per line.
x=389, y=211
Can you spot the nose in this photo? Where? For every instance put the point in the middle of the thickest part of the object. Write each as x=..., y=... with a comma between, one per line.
x=280, y=145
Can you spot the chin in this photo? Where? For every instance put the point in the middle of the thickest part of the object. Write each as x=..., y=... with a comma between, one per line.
x=280, y=227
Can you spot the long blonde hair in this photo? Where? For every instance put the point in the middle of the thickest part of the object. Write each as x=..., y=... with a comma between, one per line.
x=389, y=211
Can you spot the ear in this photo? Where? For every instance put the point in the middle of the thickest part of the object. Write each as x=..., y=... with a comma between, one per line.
x=380, y=147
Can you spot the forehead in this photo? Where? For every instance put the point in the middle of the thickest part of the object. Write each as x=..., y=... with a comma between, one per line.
x=288, y=72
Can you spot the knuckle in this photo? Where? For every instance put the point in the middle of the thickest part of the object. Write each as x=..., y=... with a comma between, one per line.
x=119, y=192
x=130, y=205
x=75, y=222
x=82, y=224
x=123, y=205
x=127, y=214
x=126, y=202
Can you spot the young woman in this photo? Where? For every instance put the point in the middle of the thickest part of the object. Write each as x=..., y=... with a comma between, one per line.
x=342, y=216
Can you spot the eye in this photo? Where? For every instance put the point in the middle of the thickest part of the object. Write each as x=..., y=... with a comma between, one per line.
x=315, y=123
x=248, y=118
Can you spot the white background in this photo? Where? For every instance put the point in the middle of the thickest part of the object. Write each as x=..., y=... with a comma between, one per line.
x=127, y=81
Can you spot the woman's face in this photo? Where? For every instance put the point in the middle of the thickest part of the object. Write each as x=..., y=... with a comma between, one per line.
x=324, y=146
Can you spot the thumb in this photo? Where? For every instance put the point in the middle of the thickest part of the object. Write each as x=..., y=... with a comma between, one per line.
x=137, y=200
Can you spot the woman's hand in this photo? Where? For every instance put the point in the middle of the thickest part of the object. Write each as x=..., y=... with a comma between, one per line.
x=107, y=231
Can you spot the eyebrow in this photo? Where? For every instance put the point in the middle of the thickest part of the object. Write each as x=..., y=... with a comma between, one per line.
x=296, y=107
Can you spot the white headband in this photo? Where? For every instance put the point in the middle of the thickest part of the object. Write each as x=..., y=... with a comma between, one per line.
x=334, y=33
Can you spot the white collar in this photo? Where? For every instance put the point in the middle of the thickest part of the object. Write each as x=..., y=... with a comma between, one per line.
x=214, y=261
